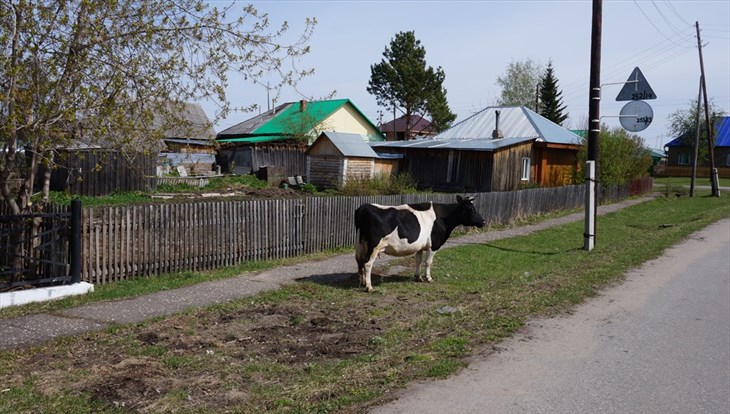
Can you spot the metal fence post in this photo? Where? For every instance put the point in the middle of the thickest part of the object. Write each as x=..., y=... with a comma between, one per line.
x=75, y=242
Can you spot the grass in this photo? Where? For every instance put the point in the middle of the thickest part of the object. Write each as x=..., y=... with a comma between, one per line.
x=661, y=182
x=143, y=286
x=396, y=335
x=226, y=183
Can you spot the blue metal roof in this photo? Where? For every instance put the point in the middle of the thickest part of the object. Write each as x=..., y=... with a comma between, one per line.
x=722, y=135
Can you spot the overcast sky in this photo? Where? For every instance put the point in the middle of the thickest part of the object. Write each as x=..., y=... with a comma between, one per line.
x=474, y=41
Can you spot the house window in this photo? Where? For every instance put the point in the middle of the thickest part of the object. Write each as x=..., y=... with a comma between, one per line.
x=526, y=169
x=683, y=158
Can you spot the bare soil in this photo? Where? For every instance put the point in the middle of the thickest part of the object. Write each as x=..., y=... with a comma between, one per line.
x=208, y=360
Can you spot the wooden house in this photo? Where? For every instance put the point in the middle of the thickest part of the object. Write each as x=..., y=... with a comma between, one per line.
x=280, y=137
x=680, y=153
x=397, y=129
x=335, y=158
x=496, y=149
x=190, y=144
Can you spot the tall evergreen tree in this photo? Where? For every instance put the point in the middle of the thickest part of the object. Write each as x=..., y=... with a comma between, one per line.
x=551, y=100
x=402, y=80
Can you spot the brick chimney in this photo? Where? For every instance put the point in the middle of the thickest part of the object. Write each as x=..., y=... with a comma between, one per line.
x=302, y=105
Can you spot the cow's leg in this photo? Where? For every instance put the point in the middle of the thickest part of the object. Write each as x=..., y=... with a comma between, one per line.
x=361, y=257
x=368, y=266
x=429, y=259
x=419, y=257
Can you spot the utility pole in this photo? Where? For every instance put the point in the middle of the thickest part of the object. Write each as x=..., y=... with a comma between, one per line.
x=537, y=98
x=708, y=123
x=594, y=128
x=697, y=144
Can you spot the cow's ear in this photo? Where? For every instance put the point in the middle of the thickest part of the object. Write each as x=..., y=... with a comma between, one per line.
x=459, y=199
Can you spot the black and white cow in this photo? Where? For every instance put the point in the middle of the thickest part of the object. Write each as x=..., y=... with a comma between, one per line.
x=406, y=230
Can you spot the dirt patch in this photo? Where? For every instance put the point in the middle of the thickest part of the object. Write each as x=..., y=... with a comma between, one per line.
x=219, y=359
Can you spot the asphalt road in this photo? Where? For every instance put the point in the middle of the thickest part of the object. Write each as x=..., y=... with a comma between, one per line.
x=657, y=343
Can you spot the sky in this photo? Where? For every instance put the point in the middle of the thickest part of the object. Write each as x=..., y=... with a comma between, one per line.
x=474, y=42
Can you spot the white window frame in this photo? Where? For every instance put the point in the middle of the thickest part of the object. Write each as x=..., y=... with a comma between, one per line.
x=526, y=164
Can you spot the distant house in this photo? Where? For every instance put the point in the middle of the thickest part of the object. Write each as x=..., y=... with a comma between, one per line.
x=95, y=166
x=335, y=158
x=190, y=145
x=496, y=149
x=680, y=153
x=280, y=137
x=395, y=130
x=658, y=161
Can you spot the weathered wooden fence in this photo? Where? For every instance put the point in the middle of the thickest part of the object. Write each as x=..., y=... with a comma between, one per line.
x=133, y=241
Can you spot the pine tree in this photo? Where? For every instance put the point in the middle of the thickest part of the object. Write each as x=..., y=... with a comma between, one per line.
x=402, y=79
x=551, y=100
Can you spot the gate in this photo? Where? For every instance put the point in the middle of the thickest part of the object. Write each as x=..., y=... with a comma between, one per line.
x=40, y=249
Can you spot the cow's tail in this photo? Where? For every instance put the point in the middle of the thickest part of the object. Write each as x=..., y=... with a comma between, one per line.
x=359, y=221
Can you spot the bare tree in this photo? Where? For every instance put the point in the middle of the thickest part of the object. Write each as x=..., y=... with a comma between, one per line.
x=519, y=83
x=111, y=70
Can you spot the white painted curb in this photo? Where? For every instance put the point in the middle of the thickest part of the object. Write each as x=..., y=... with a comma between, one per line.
x=22, y=297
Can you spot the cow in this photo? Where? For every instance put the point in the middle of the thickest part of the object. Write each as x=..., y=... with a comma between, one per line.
x=408, y=229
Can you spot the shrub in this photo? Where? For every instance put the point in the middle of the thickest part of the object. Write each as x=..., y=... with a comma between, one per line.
x=381, y=184
x=622, y=157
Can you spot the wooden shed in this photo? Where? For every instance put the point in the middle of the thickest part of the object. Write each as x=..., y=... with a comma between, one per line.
x=335, y=157
x=280, y=136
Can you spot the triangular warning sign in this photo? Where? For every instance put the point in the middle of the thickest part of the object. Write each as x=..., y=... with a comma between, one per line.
x=636, y=88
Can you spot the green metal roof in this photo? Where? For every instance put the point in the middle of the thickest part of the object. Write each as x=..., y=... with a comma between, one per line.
x=291, y=120
x=255, y=139
x=292, y=117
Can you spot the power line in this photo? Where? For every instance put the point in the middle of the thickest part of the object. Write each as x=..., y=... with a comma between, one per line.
x=671, y=26
x=652, y=23
x=671, y=7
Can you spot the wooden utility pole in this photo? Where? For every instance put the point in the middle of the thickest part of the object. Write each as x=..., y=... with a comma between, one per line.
x=594, y=128
x=708, y=122
x=697, y=144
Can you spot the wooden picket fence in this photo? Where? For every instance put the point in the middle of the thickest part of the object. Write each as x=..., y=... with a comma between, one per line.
x=146, y=240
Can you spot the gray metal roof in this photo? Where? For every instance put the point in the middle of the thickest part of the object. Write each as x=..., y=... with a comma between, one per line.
x=252, y=124
x=195, y=125
x=474, y=144
x=351, y=145
x=518, y=124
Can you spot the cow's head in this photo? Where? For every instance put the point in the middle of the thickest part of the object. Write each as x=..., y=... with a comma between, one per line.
x=468, y=214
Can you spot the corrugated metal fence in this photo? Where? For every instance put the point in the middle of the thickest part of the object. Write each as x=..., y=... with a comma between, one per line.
x=133, y=241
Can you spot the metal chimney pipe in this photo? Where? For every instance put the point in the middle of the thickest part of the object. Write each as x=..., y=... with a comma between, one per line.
x=497, y=133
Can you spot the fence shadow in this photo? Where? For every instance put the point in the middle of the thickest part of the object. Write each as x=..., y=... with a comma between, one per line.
x=551, y=253
x=350, y=280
